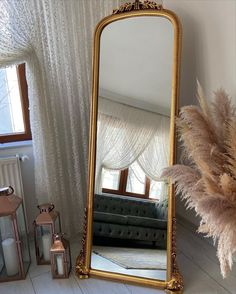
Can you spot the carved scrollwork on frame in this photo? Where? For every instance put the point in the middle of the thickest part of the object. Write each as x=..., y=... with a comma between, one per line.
x=138, y=5
x=175, y=285
x=81, y=271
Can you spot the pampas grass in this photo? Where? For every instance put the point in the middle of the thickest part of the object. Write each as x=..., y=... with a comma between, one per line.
x=208, y=185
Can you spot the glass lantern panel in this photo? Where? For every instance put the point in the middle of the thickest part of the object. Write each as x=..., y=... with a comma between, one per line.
x=44, y=241
x=59, y=264
x=25, y=251
x=68, y=258
x=9, y=261
x=57, y=226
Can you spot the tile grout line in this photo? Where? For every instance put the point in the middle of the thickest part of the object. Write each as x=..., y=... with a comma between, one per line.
x=200, y=236
x=209, y=247
x=201, y=239
x=126, y=286
x=33, y=285
x=206, y=256
x=77, y=282
x=38, y=275
x=196, y=264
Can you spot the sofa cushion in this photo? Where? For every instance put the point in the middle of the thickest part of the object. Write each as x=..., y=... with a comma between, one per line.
x=129, y=232
x=124, y=205
x=147, y=222
x=110, y=218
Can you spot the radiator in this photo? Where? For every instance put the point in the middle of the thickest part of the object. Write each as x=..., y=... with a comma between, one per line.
x=10, y=175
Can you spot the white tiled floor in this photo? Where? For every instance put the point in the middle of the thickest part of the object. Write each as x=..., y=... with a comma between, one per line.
x=197, y=262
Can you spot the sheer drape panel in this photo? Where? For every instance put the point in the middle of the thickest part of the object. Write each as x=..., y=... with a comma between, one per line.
x=16, y=32
x=126, y=134
x=157, y=154
x=55, y=37
x=123, y=134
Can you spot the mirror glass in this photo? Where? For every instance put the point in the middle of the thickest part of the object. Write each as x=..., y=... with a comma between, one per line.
x=133, y=146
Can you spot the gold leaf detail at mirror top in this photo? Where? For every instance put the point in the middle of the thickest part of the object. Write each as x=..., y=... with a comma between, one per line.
x=137, y=5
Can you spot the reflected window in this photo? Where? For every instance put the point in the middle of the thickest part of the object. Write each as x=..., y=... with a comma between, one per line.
x=136, y=181
x=110, y=179
x=133, y=182
x=158, y=189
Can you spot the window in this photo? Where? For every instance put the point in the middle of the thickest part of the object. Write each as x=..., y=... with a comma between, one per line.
x=14, y=105
x=132, y=182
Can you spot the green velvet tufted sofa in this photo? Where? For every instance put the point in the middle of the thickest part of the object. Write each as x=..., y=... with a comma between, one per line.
x=130, y=218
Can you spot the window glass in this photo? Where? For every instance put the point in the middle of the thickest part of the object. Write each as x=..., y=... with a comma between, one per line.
x=136, y=179
x=133, y=180
x=11, y=116
x=110, y=179
x=158, y=189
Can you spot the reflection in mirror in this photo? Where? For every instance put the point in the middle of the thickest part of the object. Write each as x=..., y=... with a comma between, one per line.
x=133, y=146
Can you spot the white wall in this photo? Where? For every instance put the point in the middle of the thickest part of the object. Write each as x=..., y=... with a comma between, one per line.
x=208, y=53
x=27, y=170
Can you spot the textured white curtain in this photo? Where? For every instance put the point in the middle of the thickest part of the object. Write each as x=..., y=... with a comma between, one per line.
x=126, y=134
x=54, y=38
x=157, y=154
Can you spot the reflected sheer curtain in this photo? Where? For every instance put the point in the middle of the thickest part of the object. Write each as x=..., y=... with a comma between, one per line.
x=54, y=38
x=157, y=153
x=126, y=134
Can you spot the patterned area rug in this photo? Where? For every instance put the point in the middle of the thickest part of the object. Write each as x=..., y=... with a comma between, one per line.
x=133, y=258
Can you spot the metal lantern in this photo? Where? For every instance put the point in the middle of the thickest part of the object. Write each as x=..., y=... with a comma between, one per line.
x=14, y=245
x=60, y=257
x=46, y=224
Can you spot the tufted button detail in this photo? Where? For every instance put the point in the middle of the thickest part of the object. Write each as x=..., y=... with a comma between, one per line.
x=119, y=205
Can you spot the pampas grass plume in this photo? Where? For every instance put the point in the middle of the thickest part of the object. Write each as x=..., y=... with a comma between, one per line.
x=208, y=135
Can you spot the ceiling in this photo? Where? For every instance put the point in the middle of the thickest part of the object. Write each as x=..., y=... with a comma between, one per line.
x=136, y=57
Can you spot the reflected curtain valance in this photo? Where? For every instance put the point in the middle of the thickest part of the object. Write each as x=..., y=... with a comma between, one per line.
x=127, y=134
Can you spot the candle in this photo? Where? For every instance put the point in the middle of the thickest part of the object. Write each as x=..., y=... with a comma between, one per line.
x=47, y=241
x=60, y=268
x=10, y=256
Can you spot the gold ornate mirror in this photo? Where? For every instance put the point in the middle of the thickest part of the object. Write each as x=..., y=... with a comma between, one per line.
x=130, y=216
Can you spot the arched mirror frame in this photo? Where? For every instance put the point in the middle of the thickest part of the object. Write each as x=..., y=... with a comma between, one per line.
x=173, y=283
